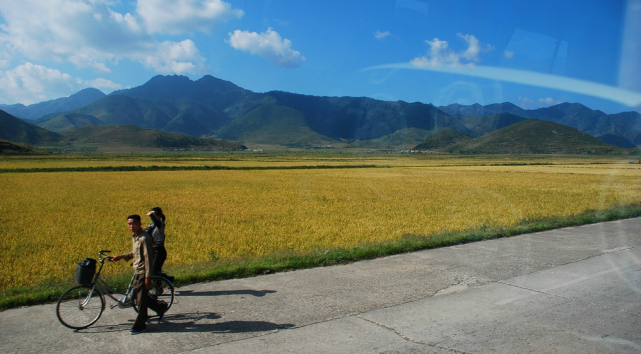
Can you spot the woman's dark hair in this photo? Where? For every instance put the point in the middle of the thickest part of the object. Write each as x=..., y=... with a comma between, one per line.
x=158, y=212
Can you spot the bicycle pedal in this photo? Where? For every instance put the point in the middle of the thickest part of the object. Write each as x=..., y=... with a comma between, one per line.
x=124, y=305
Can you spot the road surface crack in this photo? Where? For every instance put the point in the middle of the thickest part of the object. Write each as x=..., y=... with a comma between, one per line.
x=547, y=293
x=407, y=338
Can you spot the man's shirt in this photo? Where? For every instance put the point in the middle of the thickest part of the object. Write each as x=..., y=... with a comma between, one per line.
x=141, y=254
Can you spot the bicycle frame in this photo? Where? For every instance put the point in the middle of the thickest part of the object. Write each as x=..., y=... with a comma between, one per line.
x=103, y=288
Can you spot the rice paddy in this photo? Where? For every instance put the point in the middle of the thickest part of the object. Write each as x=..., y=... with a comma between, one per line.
x=49, y=221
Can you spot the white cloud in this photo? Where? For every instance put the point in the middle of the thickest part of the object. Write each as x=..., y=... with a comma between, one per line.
x=528, y=103
x=440, y=53
x=5, y=59
x=180, y=16
x=41, y=29
x=381, y=35
x=268, y=45
x=548, y=101
x=179, y=58
x=30, y=83
x=103, y=84
x=90, y=34
x=508, y=54
x=473, y=47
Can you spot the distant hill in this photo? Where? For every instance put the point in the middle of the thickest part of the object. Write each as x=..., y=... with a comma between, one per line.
x=133, y=136
x=476, y=110
x=442, y=140
x=17, y=130
x=534, y=137
x=625, y=125
x=620, y=129
x=35, y=111
x=482, y=125
x=69, y=121
x=617, y=140
x=271, y=123
x=360, y=118
x=402, y=139
x=181, y=117
x=9, y=148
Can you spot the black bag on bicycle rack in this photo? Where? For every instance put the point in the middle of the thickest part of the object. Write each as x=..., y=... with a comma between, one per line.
x=85, y=271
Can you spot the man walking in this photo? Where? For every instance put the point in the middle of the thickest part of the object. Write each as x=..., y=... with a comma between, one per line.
x=143, y=273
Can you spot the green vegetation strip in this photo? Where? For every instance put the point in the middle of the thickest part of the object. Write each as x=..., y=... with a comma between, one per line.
x=212, y=271
x=178, y=168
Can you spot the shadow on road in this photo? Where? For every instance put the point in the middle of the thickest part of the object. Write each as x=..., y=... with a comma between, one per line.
x=197, y=322
x=193, y=322
x=106, y=328
x=257, y=293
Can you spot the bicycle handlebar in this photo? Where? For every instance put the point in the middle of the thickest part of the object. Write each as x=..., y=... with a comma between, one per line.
x=103, y=252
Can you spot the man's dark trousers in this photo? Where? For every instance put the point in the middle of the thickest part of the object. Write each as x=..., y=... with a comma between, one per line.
x=144, y=301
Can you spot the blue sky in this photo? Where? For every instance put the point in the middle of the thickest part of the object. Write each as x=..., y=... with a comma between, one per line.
x=531, y=53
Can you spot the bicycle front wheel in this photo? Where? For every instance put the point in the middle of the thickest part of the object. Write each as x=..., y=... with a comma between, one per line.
x=80, y=307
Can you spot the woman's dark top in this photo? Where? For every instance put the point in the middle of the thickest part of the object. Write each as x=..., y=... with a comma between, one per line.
x=157, y=231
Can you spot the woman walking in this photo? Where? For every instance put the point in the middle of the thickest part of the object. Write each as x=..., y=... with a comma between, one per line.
x=157, y=231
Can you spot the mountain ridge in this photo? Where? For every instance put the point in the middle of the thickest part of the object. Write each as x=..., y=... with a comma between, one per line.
x=623, y=129
x=18, y=137
x=533, y=136
x=134, y=136
x=17, y=130
x=322, y=118
x=63, y=104
x=212, y=107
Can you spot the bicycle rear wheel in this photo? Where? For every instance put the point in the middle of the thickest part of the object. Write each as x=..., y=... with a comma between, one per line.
x=80, y=307
x=162, y=290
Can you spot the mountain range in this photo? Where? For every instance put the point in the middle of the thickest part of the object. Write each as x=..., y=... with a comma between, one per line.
x=214, y=108
x=530, y=136
x=99, y=138
x=622, y=129
x=35, y=111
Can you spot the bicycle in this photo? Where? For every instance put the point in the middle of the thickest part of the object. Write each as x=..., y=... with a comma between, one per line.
x=82, y=305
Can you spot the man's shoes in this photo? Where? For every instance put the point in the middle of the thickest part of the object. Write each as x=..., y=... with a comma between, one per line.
x=162, y=313
x=135, y=331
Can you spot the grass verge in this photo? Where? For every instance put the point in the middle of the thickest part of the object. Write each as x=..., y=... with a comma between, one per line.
x=50, y=292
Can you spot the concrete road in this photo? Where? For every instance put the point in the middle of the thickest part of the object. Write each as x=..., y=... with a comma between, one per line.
x=573, y=290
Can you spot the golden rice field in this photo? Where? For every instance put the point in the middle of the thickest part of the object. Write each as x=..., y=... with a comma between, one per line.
x=283, y=160
x=50, y=221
